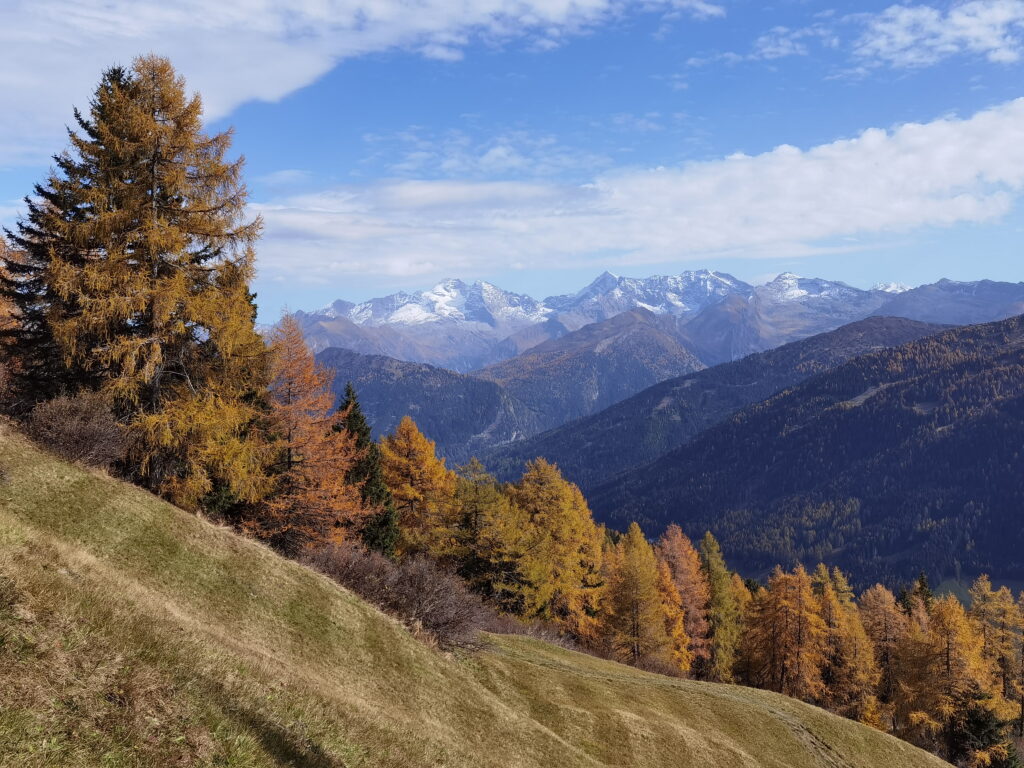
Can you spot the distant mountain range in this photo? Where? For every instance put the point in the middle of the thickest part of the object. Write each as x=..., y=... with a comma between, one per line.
x=662, y=417
x=716, y=317
x=569, y=377
x=907, y=458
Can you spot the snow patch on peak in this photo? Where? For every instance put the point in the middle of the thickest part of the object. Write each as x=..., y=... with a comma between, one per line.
x=891, y=287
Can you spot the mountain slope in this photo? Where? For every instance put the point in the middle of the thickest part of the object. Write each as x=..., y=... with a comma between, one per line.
x=561, y=379
x=905, y=458
x=462, y=414
x=134, y=634
x=662, y=417
x=594, y=367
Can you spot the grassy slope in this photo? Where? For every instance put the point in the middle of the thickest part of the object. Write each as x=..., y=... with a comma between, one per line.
x=134, y=634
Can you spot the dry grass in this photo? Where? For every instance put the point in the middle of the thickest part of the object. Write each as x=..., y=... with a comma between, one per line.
x=134, y=634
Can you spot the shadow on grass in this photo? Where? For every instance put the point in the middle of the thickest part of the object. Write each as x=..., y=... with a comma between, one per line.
x=288, y=745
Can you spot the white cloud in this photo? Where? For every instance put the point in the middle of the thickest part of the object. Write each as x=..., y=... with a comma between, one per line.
x=780, y=42
x=53, y=51
x=788, y=201
x=921, y=35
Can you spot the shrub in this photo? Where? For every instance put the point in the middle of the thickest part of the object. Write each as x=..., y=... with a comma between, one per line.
x=415, y=591
x=81, y=428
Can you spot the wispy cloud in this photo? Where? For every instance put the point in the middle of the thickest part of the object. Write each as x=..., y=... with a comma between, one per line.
x=920, y=35
x=518, y=153
x=787, y=201
x=234, y=51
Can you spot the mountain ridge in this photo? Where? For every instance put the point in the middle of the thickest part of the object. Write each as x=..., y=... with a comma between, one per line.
x=643, y=427
x=469, y=326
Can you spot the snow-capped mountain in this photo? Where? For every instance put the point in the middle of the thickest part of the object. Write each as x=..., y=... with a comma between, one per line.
x=788, y=287
x=480, y=302
x=680, y=295
x=466, y=326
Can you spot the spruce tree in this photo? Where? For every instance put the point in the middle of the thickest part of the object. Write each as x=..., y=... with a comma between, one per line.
x=135, y=281
x=380, y=532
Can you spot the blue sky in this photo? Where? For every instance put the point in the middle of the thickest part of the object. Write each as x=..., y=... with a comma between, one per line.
x=535, y=143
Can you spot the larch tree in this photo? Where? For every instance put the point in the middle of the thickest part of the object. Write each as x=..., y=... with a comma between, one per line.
x=312, y=502
x=940, y=671
x=849, y=671
x=561, y=550
x=679, y=655
x=423, y=489
x=885, y=625
x=683, y=560
x=135, y=281
x=785, y=637
x=380, y=530
x=635, y=615
x=998, y=618
x=723, y=612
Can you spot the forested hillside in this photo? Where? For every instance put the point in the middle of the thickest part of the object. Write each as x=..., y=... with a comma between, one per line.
x=899, y=459
x=662, y=417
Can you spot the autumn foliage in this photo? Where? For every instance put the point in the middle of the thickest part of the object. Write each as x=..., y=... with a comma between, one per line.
x=127, y=330
x=312, y=503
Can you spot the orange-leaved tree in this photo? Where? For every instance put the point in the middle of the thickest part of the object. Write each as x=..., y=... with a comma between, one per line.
x=785, y=635
x=135, y=280
x=312, y=502
x=683, y=560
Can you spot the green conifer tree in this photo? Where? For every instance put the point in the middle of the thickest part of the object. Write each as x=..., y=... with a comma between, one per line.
x=380, y=532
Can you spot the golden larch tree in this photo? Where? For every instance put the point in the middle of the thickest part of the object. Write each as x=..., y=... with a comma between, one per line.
x=561, y=550
x=423, y=489
x=635, y=617
x=998, y=618
x=885, y=625
x=683, y=560
x=138, y=263
x=312, y=502
x=849, y=670
x=679, y=655
x=785, y=635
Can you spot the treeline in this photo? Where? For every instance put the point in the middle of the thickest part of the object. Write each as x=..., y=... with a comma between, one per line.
x=128, y=340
